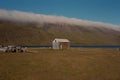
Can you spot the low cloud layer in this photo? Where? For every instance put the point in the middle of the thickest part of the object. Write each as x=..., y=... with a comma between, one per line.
x=40, y=18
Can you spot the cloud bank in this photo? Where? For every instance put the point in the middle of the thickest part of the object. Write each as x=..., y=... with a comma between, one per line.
x=40, y=18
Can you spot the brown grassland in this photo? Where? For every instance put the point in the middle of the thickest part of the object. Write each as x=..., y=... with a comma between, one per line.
x=71, y=64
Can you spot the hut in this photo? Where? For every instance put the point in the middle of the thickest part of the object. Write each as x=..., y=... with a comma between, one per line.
x=60, y=43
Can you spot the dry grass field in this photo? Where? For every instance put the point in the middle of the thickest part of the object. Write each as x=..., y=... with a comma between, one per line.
x=72, y=64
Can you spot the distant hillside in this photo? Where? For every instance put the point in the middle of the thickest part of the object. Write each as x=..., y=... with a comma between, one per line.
x=22, y=28
x=17, y=33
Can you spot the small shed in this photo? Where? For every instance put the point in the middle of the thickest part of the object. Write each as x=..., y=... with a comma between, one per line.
x=60, y=43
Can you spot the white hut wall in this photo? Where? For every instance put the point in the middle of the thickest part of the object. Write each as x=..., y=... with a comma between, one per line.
x=55, y=45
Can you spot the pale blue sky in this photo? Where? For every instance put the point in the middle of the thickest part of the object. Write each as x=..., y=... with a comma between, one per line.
x=107, y=11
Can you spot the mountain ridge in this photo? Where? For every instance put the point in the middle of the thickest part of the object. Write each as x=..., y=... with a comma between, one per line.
x=25, y=17
x=46, y=28
x=32, y=34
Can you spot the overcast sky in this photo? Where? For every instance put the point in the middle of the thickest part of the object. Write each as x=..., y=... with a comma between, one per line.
x=94, y=10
